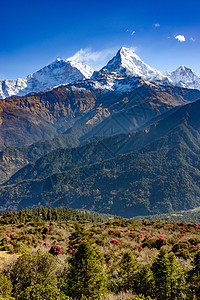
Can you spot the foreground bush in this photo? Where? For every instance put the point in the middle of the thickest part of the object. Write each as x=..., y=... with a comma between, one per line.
x=42, y=292
x=5, y=287
x=32, y=269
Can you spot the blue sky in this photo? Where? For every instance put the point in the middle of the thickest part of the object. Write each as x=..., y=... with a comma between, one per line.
x=34, y=33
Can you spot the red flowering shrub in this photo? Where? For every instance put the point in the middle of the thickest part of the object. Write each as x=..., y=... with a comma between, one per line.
x=154, y=243
x=141, y=235
x=48, y=245
x=15, y=228
x=56, y=250
x=45, y=230
x=71, y=250
x=160, y=242
x=9, y=234
x=181, y=224
x=115, y=242
x=138, y=247
x=161, y=237
x=116, y=233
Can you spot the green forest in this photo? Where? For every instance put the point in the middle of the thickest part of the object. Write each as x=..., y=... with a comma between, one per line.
x=48, y=253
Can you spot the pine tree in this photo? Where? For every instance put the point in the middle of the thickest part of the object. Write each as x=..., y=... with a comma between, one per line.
x=194, y=278
x=128, y=270
x=144, y=280
x=168, y=276
x=86, y=278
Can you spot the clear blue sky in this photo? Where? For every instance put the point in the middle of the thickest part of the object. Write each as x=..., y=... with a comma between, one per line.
x=34, y=33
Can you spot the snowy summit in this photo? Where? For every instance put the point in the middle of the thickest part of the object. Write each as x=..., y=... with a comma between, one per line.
x=57, y=73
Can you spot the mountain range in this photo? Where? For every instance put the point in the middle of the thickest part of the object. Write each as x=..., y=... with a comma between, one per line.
x=123, y=140
x=125, y=63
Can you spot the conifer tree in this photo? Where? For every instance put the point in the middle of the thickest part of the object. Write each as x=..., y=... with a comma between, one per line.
x=128, y=270
x=86, y=278
x=144, y=280
x=194, y=278
x=168, y=276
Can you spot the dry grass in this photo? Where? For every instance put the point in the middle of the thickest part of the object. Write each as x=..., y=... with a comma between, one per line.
x=121, y=296
x=6, y=259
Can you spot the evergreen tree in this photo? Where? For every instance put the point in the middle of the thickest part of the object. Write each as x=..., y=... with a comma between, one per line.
x=145, y=281
x=194, y=278
x=168, y=276
x=128, y=270
x=85, y=278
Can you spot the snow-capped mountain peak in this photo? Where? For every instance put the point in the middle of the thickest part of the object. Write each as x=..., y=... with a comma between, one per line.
x=185, y=77
x=58, y=72
x=127, y=63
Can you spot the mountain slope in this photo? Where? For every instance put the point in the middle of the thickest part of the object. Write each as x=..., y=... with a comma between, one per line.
x=63, y=159
x=162, y=176
x=25, y=120
x=84, y=111
x=57, y=73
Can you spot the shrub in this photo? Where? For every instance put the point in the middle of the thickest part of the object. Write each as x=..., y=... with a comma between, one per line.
x=45, y=230
x=31, y=269
x=47, y=244
x=141, y=297
x=42, y=292
x=5, y=287
x=56, y=250
x=115, y=242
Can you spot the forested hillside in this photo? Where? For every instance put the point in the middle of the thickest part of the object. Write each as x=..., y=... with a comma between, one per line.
x=155, y=170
